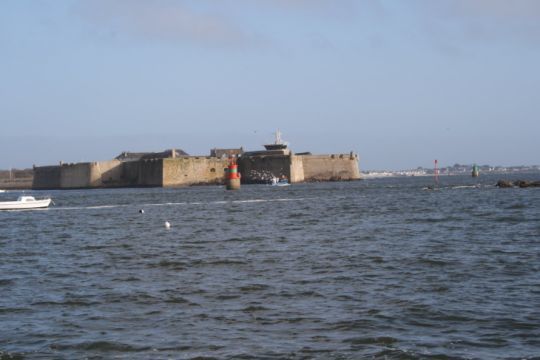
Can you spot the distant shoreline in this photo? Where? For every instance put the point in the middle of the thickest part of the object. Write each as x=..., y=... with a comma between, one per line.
x=413, y=173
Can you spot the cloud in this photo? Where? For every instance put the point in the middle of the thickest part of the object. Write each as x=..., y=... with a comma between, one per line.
x=481, y=20
x=326, y=8
x=223, y=22
x=163, y=20
x=518, y=9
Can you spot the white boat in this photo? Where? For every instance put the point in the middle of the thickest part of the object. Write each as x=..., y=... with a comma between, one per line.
x=25, y=202
x=2, y=191
x=279, y=182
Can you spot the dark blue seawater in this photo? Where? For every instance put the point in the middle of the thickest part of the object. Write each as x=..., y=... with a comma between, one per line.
x=377, y=268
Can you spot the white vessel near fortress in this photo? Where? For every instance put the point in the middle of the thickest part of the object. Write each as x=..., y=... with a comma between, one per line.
x=24, y=203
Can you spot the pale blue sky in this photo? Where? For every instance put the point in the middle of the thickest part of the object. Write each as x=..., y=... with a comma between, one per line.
x=400, y=82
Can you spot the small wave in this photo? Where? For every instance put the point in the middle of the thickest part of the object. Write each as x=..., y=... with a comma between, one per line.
x=105, y=206
x=177, y=300
x=406, y=355
x=354, y=325
x=128, y=279
x=71, y=302
x=227, y=297
x=175, y=348
x=235, y=239
x=308, y=350
x=112, y=206
x=516, y=206
x=253, y=287
x=175, y=265
x=13, y=310
x=11, y=356
x=5, y=282
x=254, y=308
x=379, y=340
x=464, y=187
x=93, y=207
x=225, y=262
x=510, y=219
x=430, y=188
x=101, y=346
x=249, y=201
x=434, y=262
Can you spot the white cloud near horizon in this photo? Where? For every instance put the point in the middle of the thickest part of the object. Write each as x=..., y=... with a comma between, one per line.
x=167, y=20
x=481, y=20
x=227, y=24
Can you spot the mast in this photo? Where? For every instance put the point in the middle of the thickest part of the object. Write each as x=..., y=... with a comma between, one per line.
x=436, y=172
x=278, y=140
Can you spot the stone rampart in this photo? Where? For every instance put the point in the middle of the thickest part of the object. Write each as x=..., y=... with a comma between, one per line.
x=193, y=170
x=262, y=168
x=108, y=173
x=76, y=176
x=299, y=168
x=46, y=177
x=150, y=173
x=84, y=175
x=330, y=167
x=16, y=179
x=297, y=173
x=130, y=173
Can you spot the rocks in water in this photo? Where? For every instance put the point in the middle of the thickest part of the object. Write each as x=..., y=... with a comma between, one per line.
x=524, y=184
x=504, y=184
x=518, y=183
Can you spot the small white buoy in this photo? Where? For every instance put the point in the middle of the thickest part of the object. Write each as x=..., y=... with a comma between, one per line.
x=141, y=211
x=167, y=225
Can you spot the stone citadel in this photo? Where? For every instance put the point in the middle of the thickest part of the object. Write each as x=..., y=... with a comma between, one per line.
x=175, y=168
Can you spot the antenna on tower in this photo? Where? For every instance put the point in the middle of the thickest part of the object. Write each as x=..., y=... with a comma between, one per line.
x=436, y=173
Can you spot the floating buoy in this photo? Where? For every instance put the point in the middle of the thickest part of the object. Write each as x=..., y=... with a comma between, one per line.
x=233, y=177
x=475, y=171
x=167, y=225
x=141, y=211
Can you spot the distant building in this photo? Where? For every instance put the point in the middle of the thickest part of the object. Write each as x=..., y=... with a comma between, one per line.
x=136, y=156
x=226, y=153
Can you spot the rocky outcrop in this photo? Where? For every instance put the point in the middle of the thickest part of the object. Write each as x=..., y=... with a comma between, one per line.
x=525, y=184
x=517, y=183
x=504, y=184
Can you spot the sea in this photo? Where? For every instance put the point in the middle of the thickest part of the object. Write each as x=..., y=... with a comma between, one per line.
x=373, y=269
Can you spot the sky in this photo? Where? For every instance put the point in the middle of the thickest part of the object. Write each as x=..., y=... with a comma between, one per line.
x=401, y=83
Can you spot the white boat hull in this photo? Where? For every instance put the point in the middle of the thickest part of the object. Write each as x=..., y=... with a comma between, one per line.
x=22, y=205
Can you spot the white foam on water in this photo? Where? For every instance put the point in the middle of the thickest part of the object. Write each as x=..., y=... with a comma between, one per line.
x=165, y=204
x=139, y=206
x=465, y=187
x=87, y=207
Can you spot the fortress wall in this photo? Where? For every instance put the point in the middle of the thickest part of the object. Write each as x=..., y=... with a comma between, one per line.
x=16, y=179
x=108, y=174
x=330, y=167
x=130, y=173
x=191, y=170
x=261, y=168
x=79, y=175
x=94, y=179
x=297, y=169
x=150, y=173
x=46, y=177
